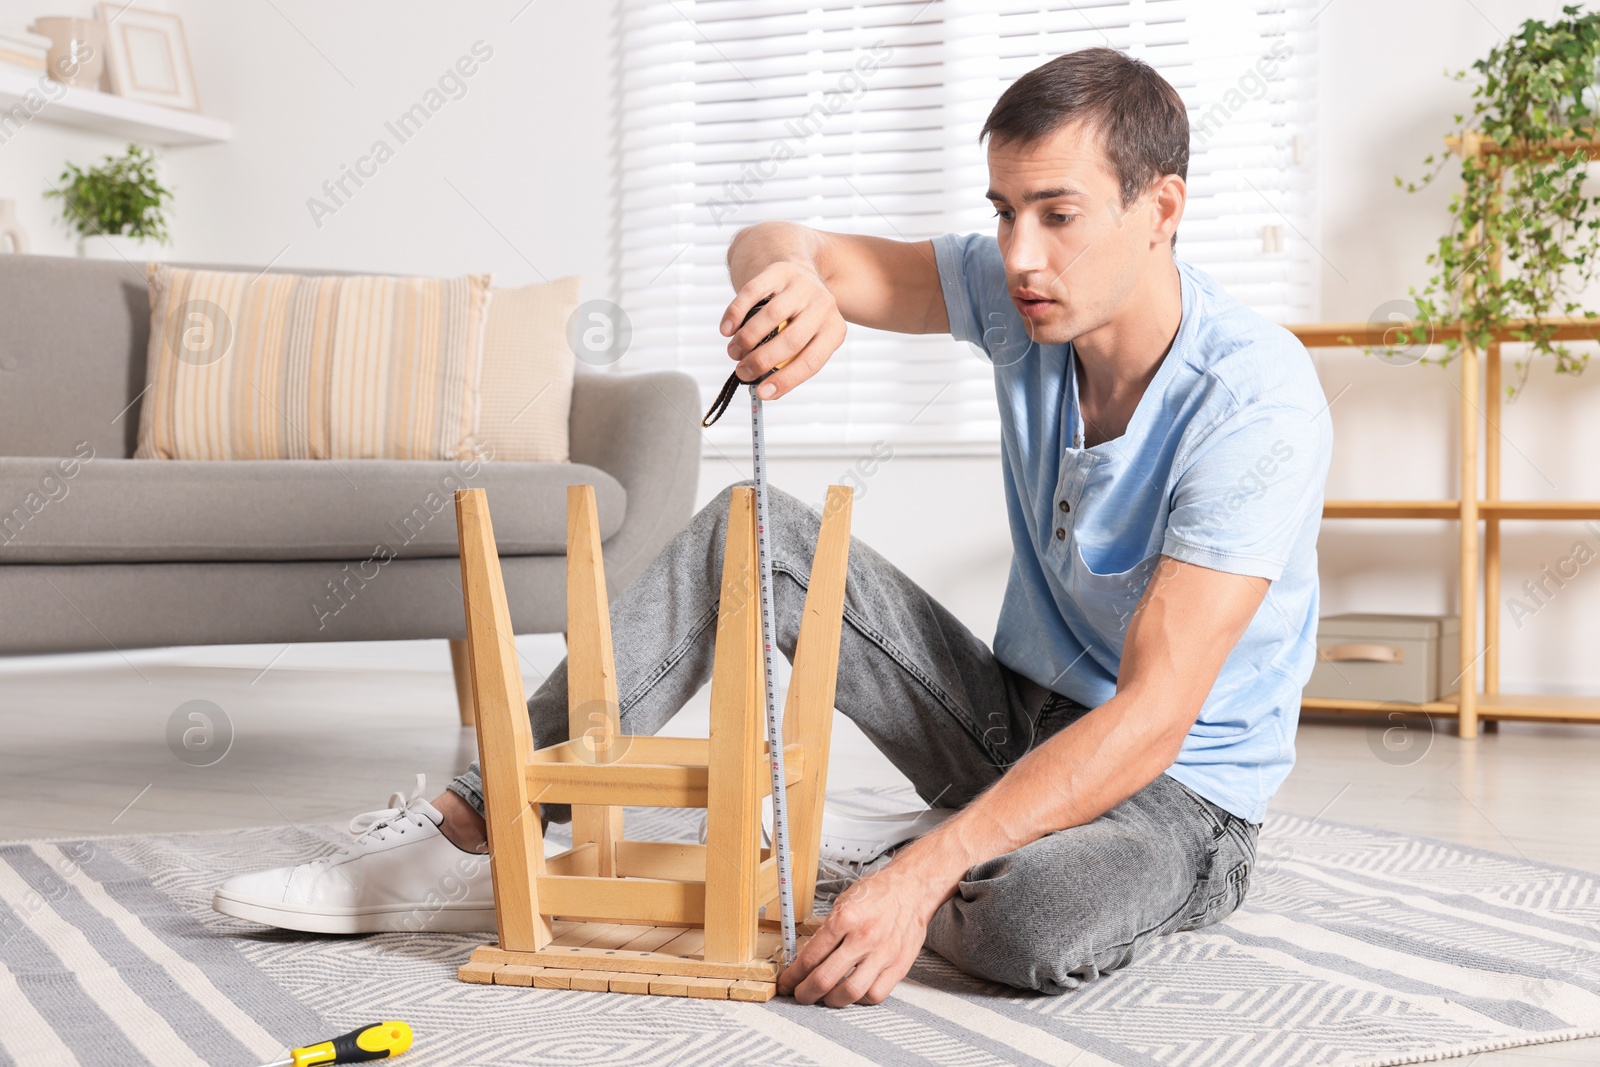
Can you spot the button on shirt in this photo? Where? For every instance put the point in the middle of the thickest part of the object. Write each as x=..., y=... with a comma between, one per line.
x=1222, y=464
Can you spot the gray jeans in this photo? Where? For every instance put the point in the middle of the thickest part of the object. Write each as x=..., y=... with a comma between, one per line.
x=933, y=698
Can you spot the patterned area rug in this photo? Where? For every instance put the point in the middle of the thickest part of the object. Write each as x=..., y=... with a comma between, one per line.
x=1354, y=947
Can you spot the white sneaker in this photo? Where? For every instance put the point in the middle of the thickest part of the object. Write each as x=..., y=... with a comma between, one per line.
x=860, y=839
x=856, y=839
x=400, y=874
x=854, y=846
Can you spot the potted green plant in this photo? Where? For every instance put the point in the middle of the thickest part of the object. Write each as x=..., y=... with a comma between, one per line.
x=1524, y=239
x=118, y=209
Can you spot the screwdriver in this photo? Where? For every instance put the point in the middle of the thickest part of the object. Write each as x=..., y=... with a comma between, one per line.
x=379, y=1041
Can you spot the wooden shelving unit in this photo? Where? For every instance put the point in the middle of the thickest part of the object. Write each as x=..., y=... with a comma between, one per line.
x=1479, y=550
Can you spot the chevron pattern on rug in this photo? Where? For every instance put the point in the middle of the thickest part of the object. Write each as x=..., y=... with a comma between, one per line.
x=1354, y=947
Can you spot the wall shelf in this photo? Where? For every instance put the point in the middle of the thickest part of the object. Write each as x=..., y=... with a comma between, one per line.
x=1536, y=707
x=1451, y=509
x=1540, y=509
x=1391, y=509
x=1335, y=706
x=104, y=113
x=1361, y=334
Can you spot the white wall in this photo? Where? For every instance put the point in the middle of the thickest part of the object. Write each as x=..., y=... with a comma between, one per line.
x=517, y=177
x=513, y=177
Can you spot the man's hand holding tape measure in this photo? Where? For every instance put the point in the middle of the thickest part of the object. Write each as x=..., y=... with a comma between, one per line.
x=799, y=305
x=817, y=282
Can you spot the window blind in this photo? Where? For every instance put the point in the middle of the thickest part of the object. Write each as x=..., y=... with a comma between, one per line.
x=863, y=117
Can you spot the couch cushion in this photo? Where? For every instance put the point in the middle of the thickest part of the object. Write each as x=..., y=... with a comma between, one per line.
x=89, y=509
x=525, y=393
x=259, y=365
x=73, y=335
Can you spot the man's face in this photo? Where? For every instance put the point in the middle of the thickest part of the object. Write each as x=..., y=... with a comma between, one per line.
x=1073, y=251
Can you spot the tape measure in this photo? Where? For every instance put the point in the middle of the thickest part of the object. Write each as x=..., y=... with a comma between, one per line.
x=780, y=793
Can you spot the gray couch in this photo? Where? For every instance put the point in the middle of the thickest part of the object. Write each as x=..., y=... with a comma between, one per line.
x=98, y=550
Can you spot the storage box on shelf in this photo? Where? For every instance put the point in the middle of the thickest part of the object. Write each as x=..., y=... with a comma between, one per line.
x=1477, y=550
x=1413, y=659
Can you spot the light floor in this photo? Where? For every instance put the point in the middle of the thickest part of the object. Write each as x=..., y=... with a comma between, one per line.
x=319, y=734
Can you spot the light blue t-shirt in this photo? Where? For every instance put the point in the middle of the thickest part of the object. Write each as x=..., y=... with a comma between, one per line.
x=1222, y=464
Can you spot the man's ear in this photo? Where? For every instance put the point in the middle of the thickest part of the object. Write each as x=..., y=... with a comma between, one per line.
x=1169, y=196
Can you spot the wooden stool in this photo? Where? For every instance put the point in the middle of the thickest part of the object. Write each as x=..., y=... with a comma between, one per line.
x=645, y=916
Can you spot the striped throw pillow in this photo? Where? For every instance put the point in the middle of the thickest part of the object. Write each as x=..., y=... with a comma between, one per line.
x=287, y=366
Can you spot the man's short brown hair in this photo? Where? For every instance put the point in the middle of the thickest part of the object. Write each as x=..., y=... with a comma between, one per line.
x=1141, y=120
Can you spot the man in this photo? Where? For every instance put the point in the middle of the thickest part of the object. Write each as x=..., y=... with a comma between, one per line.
x=1164, y=453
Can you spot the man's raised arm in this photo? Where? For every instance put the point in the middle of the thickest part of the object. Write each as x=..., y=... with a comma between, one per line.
x=818, y=282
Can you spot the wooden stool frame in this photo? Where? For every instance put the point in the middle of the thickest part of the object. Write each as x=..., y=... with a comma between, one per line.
x=629, y=916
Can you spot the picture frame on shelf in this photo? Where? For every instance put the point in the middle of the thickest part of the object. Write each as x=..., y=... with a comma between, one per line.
x=147, y=56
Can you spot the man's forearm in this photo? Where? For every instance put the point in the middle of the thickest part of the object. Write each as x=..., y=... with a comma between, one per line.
x=1082, y=772
x=869, y=281
x=757, y=247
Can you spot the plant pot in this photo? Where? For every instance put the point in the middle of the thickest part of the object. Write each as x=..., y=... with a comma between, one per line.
x=118, y=246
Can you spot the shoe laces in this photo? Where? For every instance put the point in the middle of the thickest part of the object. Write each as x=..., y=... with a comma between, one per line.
x=835, y=876
x=386, y=823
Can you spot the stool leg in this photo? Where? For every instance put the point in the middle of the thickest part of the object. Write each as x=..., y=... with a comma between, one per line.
x=505, y=740
x=733, y=810
x=808, y=713
x=592, y=714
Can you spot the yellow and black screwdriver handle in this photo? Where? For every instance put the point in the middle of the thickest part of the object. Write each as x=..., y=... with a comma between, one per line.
x=379, y=1041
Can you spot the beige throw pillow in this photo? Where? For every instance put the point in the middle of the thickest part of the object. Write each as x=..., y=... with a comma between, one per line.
x=288, y=366
x=526, y=392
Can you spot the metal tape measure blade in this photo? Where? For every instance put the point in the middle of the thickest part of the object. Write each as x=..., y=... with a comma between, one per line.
x=780, y=791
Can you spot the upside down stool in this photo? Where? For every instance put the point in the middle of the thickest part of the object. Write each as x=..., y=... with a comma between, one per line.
x=627, y=916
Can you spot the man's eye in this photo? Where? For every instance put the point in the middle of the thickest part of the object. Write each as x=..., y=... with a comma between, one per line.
x=1006, y=215
x=1060, y=218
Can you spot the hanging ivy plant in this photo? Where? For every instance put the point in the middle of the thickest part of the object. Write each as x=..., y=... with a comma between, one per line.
x=1534, y=99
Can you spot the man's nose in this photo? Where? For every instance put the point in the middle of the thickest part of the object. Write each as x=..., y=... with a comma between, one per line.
x=1025, y=252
